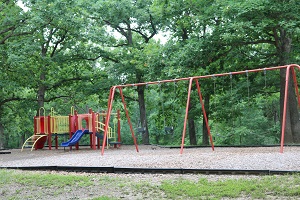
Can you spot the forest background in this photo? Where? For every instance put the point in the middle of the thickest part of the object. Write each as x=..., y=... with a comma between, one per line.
x=69, y=53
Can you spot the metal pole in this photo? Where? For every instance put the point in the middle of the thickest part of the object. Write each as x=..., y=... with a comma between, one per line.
x=201, y=77
x=110, y=102
x=128, y=119
x=284, y=107
x=186, y=115
x=296, y=85
x=285, y=99
x=204, y=115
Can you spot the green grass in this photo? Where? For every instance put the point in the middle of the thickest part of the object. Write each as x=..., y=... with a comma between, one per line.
x=277, y=186
x=50, y=180
x=16, y=184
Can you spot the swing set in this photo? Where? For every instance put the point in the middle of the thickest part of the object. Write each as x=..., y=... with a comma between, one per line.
x=195, y=79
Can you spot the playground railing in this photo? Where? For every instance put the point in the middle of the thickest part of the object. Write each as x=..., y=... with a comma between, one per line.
x=60, y=124
x=41, y=125
x=101, y=126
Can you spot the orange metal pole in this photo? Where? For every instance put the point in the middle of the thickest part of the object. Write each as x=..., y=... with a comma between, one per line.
x=284, y=107
x=78, y=120
x=110, y=102
x=201, y=77
x=285, y=99
x=94, y=130
x=186, y=114
x=204, y=115
x=296, y=85
x=128, y=119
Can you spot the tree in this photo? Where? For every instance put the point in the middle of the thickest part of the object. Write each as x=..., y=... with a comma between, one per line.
x=274, y=27
x=12, y=27
x=132, y=26
x=46, y=52
x=187, y=22
x=14, y=23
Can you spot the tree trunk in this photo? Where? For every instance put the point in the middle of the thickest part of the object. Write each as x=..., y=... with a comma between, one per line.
x=42, y=87
x=2, y=136
x=41, y=93
x=191, y=125
x=205, y=131
x=292, y=128
x=143, y=116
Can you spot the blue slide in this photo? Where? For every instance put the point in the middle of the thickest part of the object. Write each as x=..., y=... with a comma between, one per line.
x=75, y=138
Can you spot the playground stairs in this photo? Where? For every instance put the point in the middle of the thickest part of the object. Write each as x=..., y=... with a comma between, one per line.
x=32, y=141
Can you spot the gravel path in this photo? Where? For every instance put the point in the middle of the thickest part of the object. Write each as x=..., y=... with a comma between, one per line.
x=258, y=158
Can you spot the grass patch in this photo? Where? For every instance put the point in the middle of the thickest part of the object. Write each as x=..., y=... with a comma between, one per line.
x=278, y=186
x=50, y=180
x=26, y=185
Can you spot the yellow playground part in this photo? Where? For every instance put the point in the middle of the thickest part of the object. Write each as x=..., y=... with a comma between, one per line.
x=32, y=141
x=60, y=124
x=111, y=134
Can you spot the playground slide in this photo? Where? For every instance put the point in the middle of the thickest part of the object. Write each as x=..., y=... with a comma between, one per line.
x=75, y=138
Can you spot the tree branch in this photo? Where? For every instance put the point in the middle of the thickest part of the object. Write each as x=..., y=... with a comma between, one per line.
x=57, y=97
x=10, y=99
x=80, y=57
x=58, y=42
x=61, y=82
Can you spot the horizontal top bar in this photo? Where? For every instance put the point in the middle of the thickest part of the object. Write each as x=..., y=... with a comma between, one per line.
x=204, y=76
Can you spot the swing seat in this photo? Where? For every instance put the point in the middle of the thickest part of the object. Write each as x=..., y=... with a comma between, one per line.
x=169, y=129
x=141, y=130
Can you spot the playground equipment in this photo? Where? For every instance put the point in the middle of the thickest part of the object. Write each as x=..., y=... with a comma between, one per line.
x=167, y=129
x=75, y=125
x=288, y=68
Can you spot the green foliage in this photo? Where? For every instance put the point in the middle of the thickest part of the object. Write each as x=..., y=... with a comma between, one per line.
x=72, y=52
x=248, y=122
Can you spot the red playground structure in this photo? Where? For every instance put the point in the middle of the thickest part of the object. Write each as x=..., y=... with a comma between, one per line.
x=75, y=125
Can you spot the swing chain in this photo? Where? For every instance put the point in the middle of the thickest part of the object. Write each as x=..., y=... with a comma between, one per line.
x=265, y=74
x=230, y=75
x=248, y=85
x=162, y=102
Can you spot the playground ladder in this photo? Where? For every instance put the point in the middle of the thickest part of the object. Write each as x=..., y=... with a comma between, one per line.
x=31, y=141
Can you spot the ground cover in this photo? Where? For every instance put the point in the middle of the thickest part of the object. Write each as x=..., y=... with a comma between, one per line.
x=16, y=184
